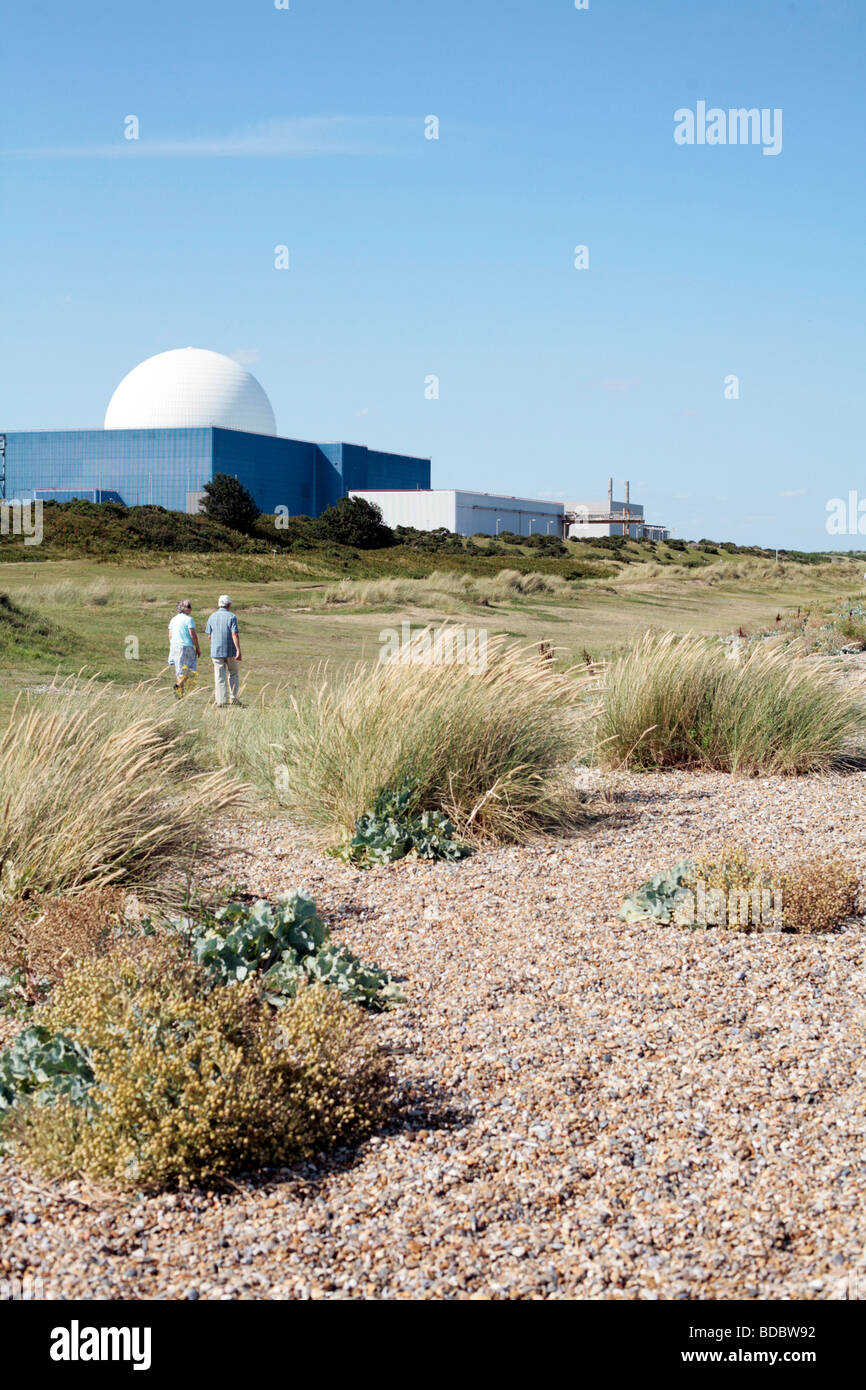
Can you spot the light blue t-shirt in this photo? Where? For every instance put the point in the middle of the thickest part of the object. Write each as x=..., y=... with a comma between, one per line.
x=220, y=626
x=180, y=630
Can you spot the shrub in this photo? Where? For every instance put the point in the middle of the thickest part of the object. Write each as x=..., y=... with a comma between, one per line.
x=729, y=868
x=286, y=532
x=852, y=631
x=818, y=894
x=679, y=702
x=191, y=1084
x=355, y=521
x=439, y=538
x=286, y=946
x=490, y=748
x=552, y=544
x=227, y=501
x=92, y=796
x=42, y=937
x=394, y=829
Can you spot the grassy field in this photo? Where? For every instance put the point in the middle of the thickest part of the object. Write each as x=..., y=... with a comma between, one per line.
x=92, y=614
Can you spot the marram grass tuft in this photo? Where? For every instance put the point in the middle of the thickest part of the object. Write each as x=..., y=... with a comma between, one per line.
x=93, y=793
x=678, y=701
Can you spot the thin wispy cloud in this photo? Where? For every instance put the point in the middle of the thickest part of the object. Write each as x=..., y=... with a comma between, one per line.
x=794, y=492
x=617, y=383
x=296, y=138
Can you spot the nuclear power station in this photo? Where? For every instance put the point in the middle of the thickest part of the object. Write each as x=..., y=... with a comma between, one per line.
x=185, y=415
x=175, y=421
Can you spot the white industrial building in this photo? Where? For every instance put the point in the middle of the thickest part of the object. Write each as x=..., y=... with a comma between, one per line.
x=586, y=519
x=488, y=513
x=467, y=513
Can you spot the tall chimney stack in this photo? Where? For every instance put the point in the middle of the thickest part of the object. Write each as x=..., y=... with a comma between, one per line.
x=610, y=495
x=626, y=492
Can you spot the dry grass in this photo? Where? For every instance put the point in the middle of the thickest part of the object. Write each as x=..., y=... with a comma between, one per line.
x=96, y=594
x=444, y=591
x=96, y=790
x=676, y=701
x=745, y=570
x=45, y=936
x=490, y=747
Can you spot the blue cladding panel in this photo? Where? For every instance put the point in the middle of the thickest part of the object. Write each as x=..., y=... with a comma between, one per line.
x=159, y=467
x=139, y=466
x=330, y=486
x=346, y=467
x=391, y=471
x=278, y=472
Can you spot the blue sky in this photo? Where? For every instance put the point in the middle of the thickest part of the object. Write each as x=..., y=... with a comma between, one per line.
x=410, y=257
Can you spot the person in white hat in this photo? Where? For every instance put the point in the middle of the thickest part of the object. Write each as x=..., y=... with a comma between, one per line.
x=225, y=651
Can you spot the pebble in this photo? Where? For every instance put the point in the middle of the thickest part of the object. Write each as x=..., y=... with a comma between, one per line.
x=587, y=1108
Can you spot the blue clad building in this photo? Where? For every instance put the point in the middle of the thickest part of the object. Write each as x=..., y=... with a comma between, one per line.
x=174, y=422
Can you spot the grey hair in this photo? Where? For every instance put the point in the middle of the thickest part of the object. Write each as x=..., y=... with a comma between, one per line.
x=184, y=604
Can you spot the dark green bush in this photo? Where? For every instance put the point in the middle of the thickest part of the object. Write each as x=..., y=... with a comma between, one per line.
x=355, y=521
x=227, y=501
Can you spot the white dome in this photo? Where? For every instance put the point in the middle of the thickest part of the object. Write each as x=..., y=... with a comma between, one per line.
x=188, y=388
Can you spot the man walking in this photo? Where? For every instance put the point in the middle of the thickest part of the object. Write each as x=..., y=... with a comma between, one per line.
x=183, y=648
x=225, y=652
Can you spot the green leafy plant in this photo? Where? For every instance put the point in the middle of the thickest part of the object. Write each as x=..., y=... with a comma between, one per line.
x=660, y=897
x=16, y=991
x=284, y=944
x=42, y=1065
x=393, y=830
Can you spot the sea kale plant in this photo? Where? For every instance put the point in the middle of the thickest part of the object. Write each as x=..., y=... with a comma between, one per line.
x=153, y=1077
x=729, y=887
x=395, y=829
x=661, y=898
x=42, y=1066
x=283, y=944
x=13, y=992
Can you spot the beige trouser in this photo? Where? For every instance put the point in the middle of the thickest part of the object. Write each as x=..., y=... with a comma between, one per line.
x=225, y=679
